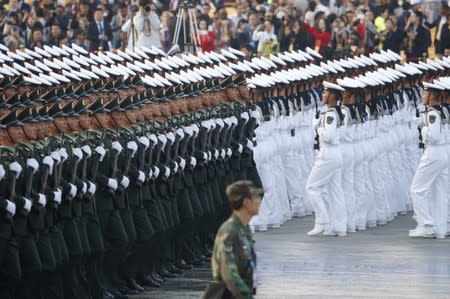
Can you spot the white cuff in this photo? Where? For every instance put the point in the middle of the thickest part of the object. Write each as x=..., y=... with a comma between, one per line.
x=87, y=150
x=42, y=199
x=16, y=167
x=10, y=207
x=27, y=205
x=116, y=146
x=101, y=151
x=125, y=182
x=33, y=163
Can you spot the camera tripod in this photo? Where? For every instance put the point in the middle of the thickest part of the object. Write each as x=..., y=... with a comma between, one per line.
x=190, y=42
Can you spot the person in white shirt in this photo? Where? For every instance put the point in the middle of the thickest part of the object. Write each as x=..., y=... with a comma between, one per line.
x=264, y=33
x=146, y=27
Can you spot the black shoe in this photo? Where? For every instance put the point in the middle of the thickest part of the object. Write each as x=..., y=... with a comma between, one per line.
x=107, y=295
x=156, y=278
x=166, y=274
x=149, y=282
x=196, y=262
x=128, y=291
x=117, y=294
x=132, y=284
x=172, y=269
x=182, y=265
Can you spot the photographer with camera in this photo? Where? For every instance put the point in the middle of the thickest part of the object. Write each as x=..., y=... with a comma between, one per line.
x=143, y=28
x=266, y=39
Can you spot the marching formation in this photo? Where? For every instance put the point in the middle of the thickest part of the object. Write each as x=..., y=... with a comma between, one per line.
x=114, y=165
x=366, y=139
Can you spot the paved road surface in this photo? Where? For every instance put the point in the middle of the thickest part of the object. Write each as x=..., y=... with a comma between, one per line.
x=381, y=262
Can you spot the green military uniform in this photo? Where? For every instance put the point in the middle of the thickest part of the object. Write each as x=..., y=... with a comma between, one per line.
x=234, y=259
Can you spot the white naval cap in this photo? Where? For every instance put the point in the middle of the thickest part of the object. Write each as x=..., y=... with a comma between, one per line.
x=42, y=80
x=432, y=86
x=79, y=49
x=15, y=56
x=313, y=52
x=71, y=63
x=7, y=72
x=350, y=83
x=12, y=70
x=42, y=52
x=21, y=68
x=33, y=68
x=71, y=75
x=132, y=54
x=32, y=81
x=331, y=86
x=32, y=53
x=99, y=72
x=445, y=84
x=69, y=50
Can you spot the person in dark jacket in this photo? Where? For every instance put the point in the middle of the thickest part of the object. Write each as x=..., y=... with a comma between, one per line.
x=99, y=32
x=392, y=37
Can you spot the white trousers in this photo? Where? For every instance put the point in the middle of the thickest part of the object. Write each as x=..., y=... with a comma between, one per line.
x=429, y=189
x=324, y=189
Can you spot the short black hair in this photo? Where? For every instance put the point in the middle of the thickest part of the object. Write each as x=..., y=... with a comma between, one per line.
x=239, y=190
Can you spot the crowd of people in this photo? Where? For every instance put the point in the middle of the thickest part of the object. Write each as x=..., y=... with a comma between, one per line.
x=336, y=28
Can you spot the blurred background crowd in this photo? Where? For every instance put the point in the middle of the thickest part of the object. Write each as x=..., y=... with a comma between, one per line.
x=337, y=28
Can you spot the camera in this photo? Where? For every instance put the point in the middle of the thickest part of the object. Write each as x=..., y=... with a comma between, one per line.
x=147, y=8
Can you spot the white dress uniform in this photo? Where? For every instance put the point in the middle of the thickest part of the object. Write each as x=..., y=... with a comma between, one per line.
x=430, y=184
x=324, y=185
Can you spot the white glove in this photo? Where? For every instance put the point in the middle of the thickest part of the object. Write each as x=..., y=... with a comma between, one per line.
x=101, y=151
x=116, y=146
x=10, y=207
x=63, y=154
x=133, y=147
x=156, y=172
x=228, y=121
x=141, y=177
x=170, y=136
x=77, y=153
x=254, y=114
x=87, y=150
x=42, y=199
x=195, y=128
x=112, y=183
x=188, y=130
x=193, y=162
x=205, y=156
x=49, y=162
x=167, y=171
x=2, y=172
x=222, y=153
x=206, y=124
x=33, y=163
x=229, y=152
x=245, y=116
x=73, y=190
x=144, y=141
x=150, y=173
x=212, y=123
x=216, y=154
x=182, y=163
x=240, y=148
x=176, y=167
x=249, y=144
x=15, y=167
x=209, y=155
x=180, y=133
x=58, y=195
x=234, y=120
x=125, y=182
x=56, y=156
x=27, y=205
x=163, y=140
x=153, y=138
x=84, y=188
x=92, y=188
x=220, y=122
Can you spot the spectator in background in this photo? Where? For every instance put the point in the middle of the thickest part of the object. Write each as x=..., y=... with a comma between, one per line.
x=442, y=34
x=116, y=24
x=416, y=47
x=30, y=23
x=13, y=36
x=302, y=38
x=381, y=18
x=206, y=36
x=55, y=34
x=36, y=38
x=340, y=39
x=204, y=15
x=239, y=14
x=286, y=35
x=321, y=34
x=166, y=36
x=392, y=37
x=243, y=34
x=224, y=29
x=99, y=33
x=265, y=38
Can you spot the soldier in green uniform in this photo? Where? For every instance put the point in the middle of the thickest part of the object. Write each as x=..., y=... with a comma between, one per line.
x=234, y=257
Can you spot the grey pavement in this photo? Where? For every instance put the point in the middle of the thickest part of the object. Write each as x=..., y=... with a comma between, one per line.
x=380, y=262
